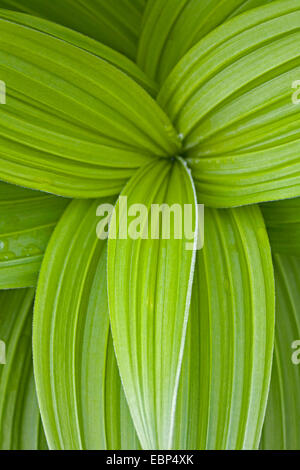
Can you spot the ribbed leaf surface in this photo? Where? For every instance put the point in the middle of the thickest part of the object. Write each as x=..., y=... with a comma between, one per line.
x=231, y=99
x=74, y=124
x=283, y=224
x=27, y=219
x=281, y=428
x=172, y=27
x=116, y=23
x=149, y=284
x=83, y=42
x=228, y=353
x=20, y=423
x=78, y=386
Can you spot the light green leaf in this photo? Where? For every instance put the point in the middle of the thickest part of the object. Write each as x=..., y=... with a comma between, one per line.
x=283, y=224
x=149, y=285
x=73, y=124
x=281, y=429
x=228, y=353
x=231, y=99
x=78, y=386
x=172, y=27
x=20, y=423
x=115, y=23
x=27, y=219
x=83, y=42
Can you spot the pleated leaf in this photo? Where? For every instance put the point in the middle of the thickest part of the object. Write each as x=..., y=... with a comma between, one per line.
x=230, y=97
x=172, y=27
x=281, y=428
x=20, y=422
x=149, y=285
x=83, y=42
x=228, y=353
x=116, y=23
x=79, y=390
x=283, y=224
x=27, y=219
x=73, y=123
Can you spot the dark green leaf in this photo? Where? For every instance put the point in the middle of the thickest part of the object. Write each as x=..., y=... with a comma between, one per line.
x=27, y=219
x=283, y=224
x=20, y=422
x=281, y=428
x=79, y=390
x=228, y=353
x=116, y=23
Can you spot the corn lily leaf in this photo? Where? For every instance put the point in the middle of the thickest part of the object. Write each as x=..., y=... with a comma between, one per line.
x=231, y=99
x=73, y=124
x=227, y=362
x=149, y=286
x=283, y=224
x=79, y=390
x=171, y=28
x=281, y=428
x=27, y=219
x=115, y=23
x=83, y=42
x=20, y=422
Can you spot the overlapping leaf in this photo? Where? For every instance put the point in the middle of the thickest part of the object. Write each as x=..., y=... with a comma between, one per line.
x=116, y=23
x=74, y=124
x=281, y=428
x=149, y=284
x=172, y=27
x=20, y=422
x=231, y=99
x=80, y=121
x=83, y=42
x=283, y=224
x=27, y=219
x=228, y=355
x=78, y=385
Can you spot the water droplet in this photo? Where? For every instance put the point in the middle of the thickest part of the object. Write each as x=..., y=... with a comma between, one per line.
x=8, y=255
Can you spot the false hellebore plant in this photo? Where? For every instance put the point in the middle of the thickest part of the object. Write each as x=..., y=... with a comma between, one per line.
x=142, y=343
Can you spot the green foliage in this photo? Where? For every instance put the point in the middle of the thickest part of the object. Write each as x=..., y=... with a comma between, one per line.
x=21, y=426
x=281, y=427
x=143, y=342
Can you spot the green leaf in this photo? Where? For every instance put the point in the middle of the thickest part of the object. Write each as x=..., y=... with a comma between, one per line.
x=27, y=221
x=283, y=224
x=74, y=124
x=230, y=97
x=281, y=428
x=149, y=286
x=78, y=386
x=83, y=42
x=115, y=23
x=228, y=353
x=172, y=27
x=20, y=423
